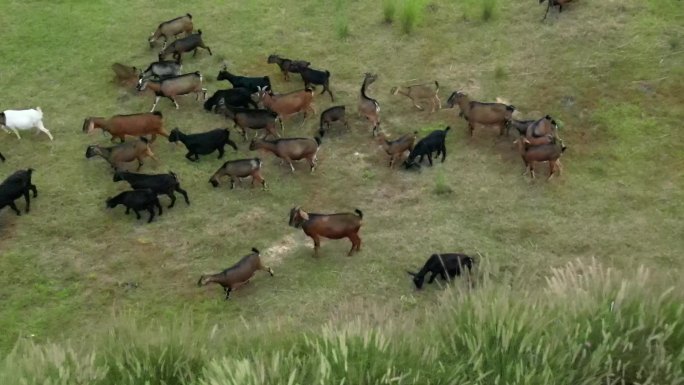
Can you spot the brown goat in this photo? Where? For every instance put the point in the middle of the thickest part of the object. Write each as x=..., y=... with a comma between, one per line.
x=397, y=147
x=418, y=92
x=550, y=153
x=289, y=149
x=172, y=86
x=542, y=127
x=286, y=105
x=237, y=275
x=482, y=113
x=133, y=125
x=240, y=168
x=172, y=28
x=331, y=226
x=369, y=107
x=123, y=153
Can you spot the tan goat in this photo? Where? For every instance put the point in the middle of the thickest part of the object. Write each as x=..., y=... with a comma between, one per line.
x=397, y=147
x=420, y=92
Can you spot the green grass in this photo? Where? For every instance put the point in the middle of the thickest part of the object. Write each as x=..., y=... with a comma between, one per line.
x=411, y=14
x=64, y=266
x=488, y=10
x=389, y=10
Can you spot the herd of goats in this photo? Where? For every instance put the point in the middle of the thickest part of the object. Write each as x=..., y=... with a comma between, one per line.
x=538, y=141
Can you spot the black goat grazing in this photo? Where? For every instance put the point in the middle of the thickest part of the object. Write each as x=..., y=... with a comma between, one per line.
x=137, y=200
x=237, y=275
x=252, y=84
x=240, y=168
x=233, y=97
x=434, y=141
x=257, y=119
x=287, y=66
x=444, y=265
x=332, y=114
x=189, y=43
x=164, y=184
x=16, y=185
x=553, y=3
x=203, y=143
x=317, y=78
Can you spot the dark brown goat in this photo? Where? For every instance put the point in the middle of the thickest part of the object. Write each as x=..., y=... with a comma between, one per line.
x=397, y=147
x=237, y=275
x=287, y=66
x=133, y=125
x=122, y=153
x=331, y=226
x=482, y=113
x=289, y=149
x=550, y=153
x=542, y=127
x=172, y=28
x=369, y=107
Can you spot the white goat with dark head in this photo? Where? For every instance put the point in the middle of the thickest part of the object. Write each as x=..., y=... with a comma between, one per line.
x=15, y=120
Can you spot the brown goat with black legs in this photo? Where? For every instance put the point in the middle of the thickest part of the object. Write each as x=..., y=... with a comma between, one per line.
x=550, y=153
x=553, y=3
x=237, y=275
x=369, y=107
x=133, y=125
x=397, y=147
x=287, y=66
x=289, y=149
x=173, y=86
x=482, y=113
x=172, y=28
x=241, y=168
x=122, y=153
x=286, y=105
x=420, y=92
x=331, y=226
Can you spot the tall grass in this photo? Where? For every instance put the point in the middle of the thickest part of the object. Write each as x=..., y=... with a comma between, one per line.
x=488, y=9
x=412, y=12
x=389, y=10
x=588, y=325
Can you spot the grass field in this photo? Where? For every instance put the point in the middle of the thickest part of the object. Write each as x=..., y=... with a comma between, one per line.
x=610, y=72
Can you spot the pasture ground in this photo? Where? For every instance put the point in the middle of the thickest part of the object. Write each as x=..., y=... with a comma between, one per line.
x=610, y=72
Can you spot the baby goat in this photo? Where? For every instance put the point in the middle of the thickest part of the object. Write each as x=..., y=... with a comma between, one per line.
x=16, y=185
x=482, y=113
x=369, y=107
x=287, y=66
x=237, y=275
x=23, y=120
x=203, y=143
x=164, y=184
x=450, y=264
x=289, y=149
x=331, y=226
x=241, y=168
x=173, y=86
x=396, y=148
x=316, y=77
x=332, y=114
x=137, y=200
x=418, y=92
x=172, y=28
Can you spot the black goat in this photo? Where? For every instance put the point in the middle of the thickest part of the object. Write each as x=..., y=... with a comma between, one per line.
x=137, y=200
x=317, y=78
x=164, y=184
x=189, y=43
x=258, y=119
x=450, y=264
x=203, y=143
x=16, y=185
x=434, y=141
x=287, y=66
x=252, y=84
x=233, y=97
x=332, y=114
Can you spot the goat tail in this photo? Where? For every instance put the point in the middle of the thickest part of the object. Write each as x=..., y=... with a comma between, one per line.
x=199, y=283
x=255, y=250
x=188, y=15
x=318, y=140
x=39, y=110
x=447, y=129
x=327, y=73
x=359, y=213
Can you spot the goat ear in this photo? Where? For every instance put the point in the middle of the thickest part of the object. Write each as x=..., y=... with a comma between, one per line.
x=303, y=214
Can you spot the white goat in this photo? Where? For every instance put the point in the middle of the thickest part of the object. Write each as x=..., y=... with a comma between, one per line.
x=23, y=120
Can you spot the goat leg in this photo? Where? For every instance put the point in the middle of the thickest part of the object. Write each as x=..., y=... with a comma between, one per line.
x=185, y=194
x=548, y=5
x=137, y=214
x=221, y=151
x=227, y=290
x=14, y=207
x=317, y=245
x=35, y=190
x=27, y=198
x=432, y=277
x=174, y=102
x=415, y=104
x=172, y=196
x=158, y=204
x=156, y=100
x=151, y=210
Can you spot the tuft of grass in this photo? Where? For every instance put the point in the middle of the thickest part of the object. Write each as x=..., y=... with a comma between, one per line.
x=342, y=27
x=500, y=73
x=389, y=10
x=412, y=12
x=488, y=9
x=441, y=185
